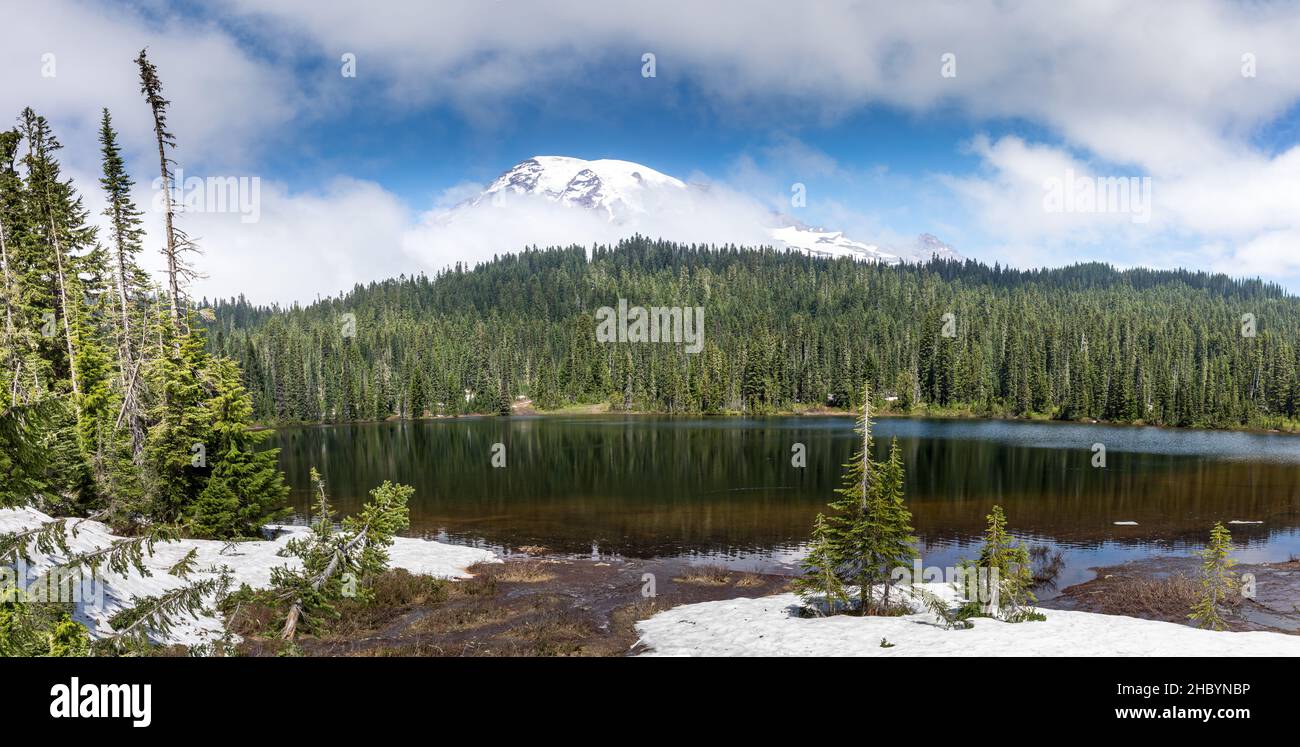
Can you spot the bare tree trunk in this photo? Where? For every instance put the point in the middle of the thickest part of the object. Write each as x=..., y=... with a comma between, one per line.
x=63, y=300
x=173, y=268
x=124, y=350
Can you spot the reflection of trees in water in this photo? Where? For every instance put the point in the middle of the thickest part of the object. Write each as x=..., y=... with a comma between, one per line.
x=653, y=485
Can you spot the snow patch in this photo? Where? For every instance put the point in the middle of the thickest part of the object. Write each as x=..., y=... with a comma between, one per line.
x=249, y=563
x=771, y=626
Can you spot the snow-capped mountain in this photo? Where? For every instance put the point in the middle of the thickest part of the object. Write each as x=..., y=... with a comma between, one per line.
x=822, y=243
x=616, y=187
x=625, y=191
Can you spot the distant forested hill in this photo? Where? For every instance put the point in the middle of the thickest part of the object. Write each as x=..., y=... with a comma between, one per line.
x=781, y=331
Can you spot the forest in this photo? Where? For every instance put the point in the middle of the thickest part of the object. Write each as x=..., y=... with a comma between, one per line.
x=782, y=331
x=111, y=405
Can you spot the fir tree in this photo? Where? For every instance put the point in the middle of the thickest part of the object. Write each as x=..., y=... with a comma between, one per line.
x=246, y=488
x=336, y=561
x=1007, y=563
x=176, y=243
x=1218, y=582
x=870, y=533
x=130, y=283
x=820, y=586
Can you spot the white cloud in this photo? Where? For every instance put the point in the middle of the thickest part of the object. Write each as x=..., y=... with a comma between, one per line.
x=713, y=214
x=1247, y=208
x=1143, y=89
x=302, y=245
x=224, y=102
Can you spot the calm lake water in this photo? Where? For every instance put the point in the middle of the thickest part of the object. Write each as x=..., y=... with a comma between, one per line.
x=724, y=489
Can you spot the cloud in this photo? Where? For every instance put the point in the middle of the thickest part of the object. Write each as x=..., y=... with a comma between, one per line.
x=1117, y=88
x=703, y=214
x=302, y=244
x=1247, y=209
x=223, y=99
x=1092, y=71
x=1106, y=89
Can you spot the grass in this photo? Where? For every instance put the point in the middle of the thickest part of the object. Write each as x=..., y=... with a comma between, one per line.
x=526, y=571
x=1169, y=598
x=705, y=575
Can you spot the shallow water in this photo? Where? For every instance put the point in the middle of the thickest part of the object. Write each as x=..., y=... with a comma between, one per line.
x=725, y=489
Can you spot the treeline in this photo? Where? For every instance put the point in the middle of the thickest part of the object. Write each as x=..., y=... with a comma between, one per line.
x=782, y=331
x=111, y=404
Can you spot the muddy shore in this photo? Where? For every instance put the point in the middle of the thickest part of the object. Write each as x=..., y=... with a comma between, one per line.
x=536, y=606
x=1164, y=588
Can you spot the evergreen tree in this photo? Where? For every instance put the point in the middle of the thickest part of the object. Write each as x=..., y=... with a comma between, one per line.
x=333, y=561
x=870, y=533
x=820, y=586
x=130, y=282
x=176, y=243
x=1218, y=582
x=246, y=488
x=1007, y=563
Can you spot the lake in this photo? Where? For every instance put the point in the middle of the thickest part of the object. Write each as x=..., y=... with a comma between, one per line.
x=725, y=490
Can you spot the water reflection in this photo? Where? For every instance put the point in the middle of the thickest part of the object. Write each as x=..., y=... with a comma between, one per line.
x=644, y=486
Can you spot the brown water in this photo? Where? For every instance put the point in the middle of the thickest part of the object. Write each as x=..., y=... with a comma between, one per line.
x=725, y=488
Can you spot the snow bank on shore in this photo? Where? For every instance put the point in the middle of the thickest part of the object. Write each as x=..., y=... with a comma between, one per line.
x=771, y=626
x=249, y=563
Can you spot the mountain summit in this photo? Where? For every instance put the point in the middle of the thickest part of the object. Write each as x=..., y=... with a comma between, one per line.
x=625, y=191
x=618, y=188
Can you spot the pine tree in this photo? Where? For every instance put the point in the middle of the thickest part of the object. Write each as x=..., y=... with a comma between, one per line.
x=359, y=552
x=896, y=543
x=1008, y=566
x=1218, y=582
x=178, y=444
x=246, y=488
x=820, y=586
x=130, y=282
x=870, y=533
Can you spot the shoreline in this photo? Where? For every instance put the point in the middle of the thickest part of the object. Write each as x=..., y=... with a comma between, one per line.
x=603, y=410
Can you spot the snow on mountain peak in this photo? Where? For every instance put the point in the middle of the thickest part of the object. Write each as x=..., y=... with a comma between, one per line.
x=616, y=187
x=628, y=192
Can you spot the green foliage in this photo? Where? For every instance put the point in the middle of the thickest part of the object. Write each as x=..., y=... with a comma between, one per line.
x=786, y=331
x=27, y=433
x=820, y=586
x=1218, y=582
x=339, y=563
x=110, y=403
x=1008, y=562
x=40, y=629
x=157, y=615
x=868, y=535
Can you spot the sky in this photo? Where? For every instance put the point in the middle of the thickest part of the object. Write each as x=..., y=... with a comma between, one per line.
x=989, y=124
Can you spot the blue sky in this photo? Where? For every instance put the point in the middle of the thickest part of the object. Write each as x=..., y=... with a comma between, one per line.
x=850, y=99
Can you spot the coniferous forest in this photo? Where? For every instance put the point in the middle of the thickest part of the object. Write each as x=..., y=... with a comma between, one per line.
x=111, y=404
x=781, y=332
